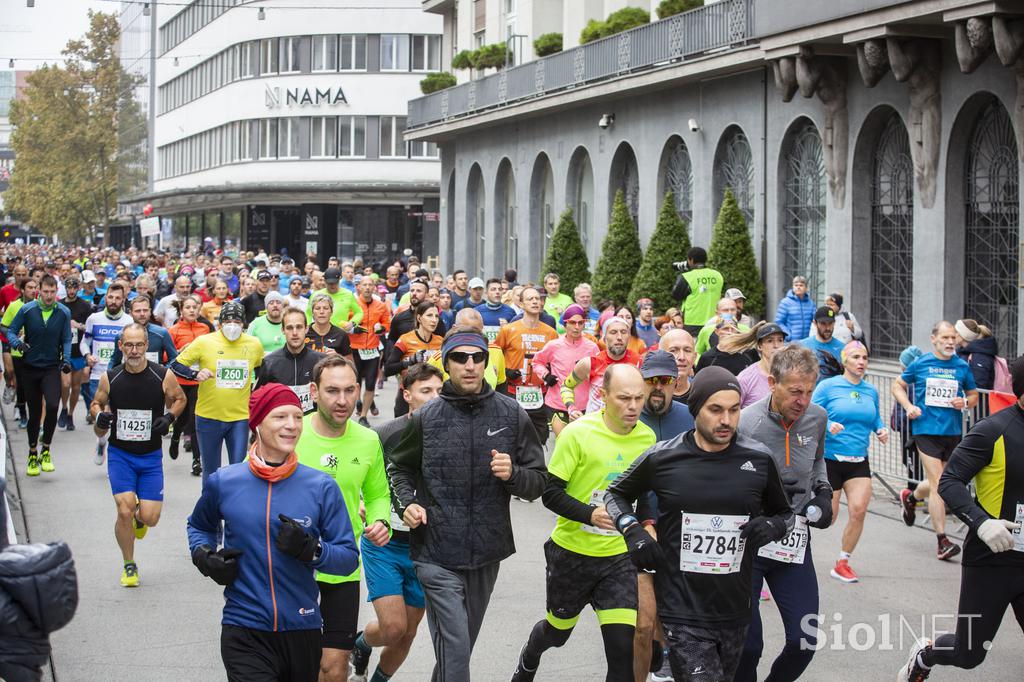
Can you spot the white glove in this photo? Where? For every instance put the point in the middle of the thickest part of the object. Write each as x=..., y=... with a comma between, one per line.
x=996, y=534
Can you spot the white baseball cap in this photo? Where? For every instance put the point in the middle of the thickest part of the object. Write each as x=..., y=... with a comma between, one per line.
x=88, y=276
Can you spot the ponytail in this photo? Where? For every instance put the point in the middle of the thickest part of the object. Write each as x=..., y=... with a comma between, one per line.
x=742, y=341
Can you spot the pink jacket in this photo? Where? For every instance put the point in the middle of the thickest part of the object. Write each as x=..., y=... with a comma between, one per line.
x=561, y=356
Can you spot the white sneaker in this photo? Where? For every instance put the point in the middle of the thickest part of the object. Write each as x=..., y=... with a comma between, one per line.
x=913, y=671
x=101, y=452
x=8, y=395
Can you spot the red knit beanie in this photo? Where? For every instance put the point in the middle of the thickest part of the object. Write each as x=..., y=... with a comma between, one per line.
x=265, y=399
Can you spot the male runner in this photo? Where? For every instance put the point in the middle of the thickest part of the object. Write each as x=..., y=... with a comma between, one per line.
x=519, y=342
x=351, y=455
x=391, y=583
x=495, y=313
x=586, y=558
x=71, y=384
x=11, y=292
x=130, y=406
x=827, y=348
x=102, y=330
x=161, y=346
x=556, y=302
x=267, y=327
x=992, y=455
x=165, y=312
x=720, y=499
x=792, y=428
x=346, y=313
x=47, y=349
x=228, y=360
x=292, y=365
x=556, y=361
x=583, y=296
x=590, y=371
x=679, y=343
x=366, y=342
x=725, y=311
x=943, y=386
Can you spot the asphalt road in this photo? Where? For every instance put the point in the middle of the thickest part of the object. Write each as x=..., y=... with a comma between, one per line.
x=168, y=629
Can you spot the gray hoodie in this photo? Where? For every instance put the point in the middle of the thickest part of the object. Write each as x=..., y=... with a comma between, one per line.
x=802, y=463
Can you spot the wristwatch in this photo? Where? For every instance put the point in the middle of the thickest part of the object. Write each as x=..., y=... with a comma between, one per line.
x=319, y=549
x=625, y=521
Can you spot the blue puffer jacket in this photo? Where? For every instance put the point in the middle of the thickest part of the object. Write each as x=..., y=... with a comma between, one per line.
x=274, y=591
x=981, y=354
x=794, y=315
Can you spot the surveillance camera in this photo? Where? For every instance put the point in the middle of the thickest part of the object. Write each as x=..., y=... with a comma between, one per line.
x=694, y=125
x=606, y=121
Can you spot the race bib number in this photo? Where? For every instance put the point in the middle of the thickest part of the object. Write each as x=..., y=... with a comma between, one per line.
x=153, y=357
x=232, y=373
x=597, y=499
x=76, y=336
x=940, y=392
x=302, y=393
x=529, y=397
x=711, y=543
x=849, y=459
x=1018, y=536
x=491, y=333
x=397, y=523
x=790, y=549
x=368, y=353
x=134, y=425
x=103, y=350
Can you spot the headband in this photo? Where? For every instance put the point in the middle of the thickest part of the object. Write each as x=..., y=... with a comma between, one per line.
x=474, y=339
x=609, y=322
x=965, y=333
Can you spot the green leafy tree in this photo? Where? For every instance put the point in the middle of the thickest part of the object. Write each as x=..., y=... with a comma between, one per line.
x=547, y=43
x=566, y=257
x=620, y=255
x=491, y=56
x=436, y=81
x=667, y=8
x=616, y=22
x=66, y=134
x=732, y=254
x=669, y=244
x=463, y=60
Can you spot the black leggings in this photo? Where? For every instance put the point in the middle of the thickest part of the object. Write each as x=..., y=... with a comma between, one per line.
x=41, y=383
x=618, y=647
x=19, y=381
x=985, y=592
x=186, y=421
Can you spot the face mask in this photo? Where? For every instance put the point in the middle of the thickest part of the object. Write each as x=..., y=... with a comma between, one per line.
x=232, y=330
x=727, y=317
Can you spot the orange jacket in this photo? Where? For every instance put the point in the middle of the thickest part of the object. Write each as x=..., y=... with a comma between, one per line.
x=184, y=333
x=373, y=312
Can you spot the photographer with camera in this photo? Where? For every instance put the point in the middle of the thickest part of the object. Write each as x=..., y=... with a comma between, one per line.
x=698, y=289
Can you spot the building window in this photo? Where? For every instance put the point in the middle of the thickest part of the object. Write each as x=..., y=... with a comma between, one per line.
x=352, y=136
x=892, y=241
x=803, y=212
x=479, y=15
x=325, y=53
x=248, y=58
x=679, y=177
x=992, y=219
x=290, y=58
x=423, y=150
x=268, y=138
x=268, y=56
x=288, y=138
x=392, y=133
x=243, y=151
x=323, y=137
x=734, y=170
x=394, y=52
x=353, y=53
x=426, y=53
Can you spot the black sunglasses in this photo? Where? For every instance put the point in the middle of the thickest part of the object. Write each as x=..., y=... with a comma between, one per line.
x=461, y=357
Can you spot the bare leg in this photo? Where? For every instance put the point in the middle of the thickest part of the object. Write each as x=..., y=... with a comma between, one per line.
x=858, y=495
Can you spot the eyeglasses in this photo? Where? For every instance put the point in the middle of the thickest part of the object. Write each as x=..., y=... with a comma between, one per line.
x=659, y=381
x=462, y=357
x=575, y=323
x=133, y=346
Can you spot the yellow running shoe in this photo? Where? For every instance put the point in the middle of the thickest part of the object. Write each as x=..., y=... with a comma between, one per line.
x=33, y=464
x=140, y=528
x=130, y=575
x=47, y=463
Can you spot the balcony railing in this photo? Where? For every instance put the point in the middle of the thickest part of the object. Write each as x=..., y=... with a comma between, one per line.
x=713, y=27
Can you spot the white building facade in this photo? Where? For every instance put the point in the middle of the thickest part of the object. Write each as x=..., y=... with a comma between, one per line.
x=280, y=125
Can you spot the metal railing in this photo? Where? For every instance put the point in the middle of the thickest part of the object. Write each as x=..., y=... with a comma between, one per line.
x=716, y=26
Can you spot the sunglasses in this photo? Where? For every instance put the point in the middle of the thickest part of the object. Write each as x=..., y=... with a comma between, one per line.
x=659, y=381
x=462, y=357
x=575, y=323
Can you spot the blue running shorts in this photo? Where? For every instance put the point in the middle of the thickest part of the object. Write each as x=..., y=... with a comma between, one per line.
x=139, y=474
x=389, y=572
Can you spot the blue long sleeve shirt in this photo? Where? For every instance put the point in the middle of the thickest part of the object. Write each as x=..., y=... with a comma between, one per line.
x=47, y=333
x=161, y=348
x=274, y=591
x=855, y=406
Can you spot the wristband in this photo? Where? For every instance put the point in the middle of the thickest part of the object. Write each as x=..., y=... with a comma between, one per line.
x=648, y=523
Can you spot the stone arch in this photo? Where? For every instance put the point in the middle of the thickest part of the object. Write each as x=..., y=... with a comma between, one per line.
x=542, y=203
x=579, y=195
x=734, y=169
x=506, y=236
x=449, y=224
x=624, y=174
x=476, y=220
x=675, y=174
x=803, y=197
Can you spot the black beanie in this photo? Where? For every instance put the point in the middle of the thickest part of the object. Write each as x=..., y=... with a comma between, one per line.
x=710, y=381
x=1017, y=376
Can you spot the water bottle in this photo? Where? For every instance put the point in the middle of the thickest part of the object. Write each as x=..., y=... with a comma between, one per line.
x=813, y=513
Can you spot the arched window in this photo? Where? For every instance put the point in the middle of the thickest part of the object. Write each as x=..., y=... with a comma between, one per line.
x=734, y=169
x=892, y=241
x=992, y=222
x=449, y=221
x=625, y=176
x=542, y=203
x=476, y=219
x=677, y=177
x=803, y=210
x=581, y=195
x=506, y=237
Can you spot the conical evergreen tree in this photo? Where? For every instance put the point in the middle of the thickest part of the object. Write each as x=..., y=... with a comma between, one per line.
x=620, y=256
x=732, y=254
x=566, y=257
x=669, y=244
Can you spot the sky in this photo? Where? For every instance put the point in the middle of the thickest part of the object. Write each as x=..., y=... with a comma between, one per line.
x=28, y=35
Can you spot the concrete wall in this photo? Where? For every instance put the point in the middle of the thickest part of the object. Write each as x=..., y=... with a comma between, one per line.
x=647, y=122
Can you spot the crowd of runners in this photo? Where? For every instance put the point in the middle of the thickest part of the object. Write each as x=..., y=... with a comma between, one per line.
x=689, y=454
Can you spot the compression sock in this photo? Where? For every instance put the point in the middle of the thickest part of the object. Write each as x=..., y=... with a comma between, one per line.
x=363, y=646
x=543, y=637
x=618, y=650
x=380, y=676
